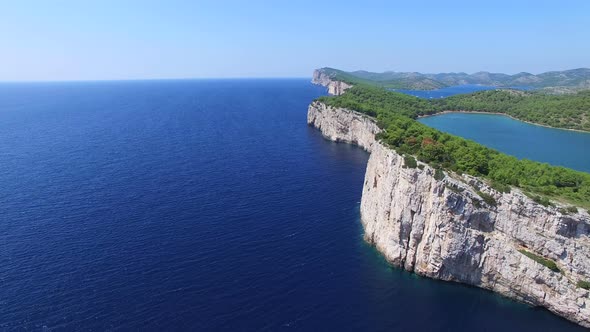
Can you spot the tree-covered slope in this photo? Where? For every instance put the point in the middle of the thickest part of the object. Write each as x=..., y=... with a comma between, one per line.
x=573, y=79
x=413, y=81
x=570, y=111
x=396, y=114
x=560, y=111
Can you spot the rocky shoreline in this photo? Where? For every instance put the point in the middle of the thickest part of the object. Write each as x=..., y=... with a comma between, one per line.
x=457, y=228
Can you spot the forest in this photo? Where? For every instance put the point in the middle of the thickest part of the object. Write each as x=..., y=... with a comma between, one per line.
x=569, y=111
x=566, y=80
x=396, y=114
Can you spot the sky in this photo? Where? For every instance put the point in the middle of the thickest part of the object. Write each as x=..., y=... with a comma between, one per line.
x=132, y=39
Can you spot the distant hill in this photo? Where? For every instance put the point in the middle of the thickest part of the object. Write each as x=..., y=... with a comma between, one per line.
x=559, y=81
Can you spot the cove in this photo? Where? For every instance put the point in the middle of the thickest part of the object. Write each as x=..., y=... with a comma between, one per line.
x=520, y=139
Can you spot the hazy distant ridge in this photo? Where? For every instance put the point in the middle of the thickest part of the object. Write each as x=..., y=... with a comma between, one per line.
x=573, y=79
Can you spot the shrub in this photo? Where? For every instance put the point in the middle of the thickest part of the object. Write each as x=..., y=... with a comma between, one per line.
x=489, y=199
x=439, y=174
x=410, y=162
x=568, y=210
x=503, y=188
x=541, y=260
x=477, y=203
x=455, y=189
x=541, y=200
x=583, y=284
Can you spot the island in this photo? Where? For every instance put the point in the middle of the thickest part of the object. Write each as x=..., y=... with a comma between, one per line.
x=447, y=208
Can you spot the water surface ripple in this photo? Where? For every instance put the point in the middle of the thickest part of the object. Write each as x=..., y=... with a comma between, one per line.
x=205, y=206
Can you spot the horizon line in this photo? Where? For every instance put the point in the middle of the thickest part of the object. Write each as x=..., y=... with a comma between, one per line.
x=153, y=79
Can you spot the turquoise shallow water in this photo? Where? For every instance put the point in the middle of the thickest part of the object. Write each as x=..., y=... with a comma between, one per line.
x=523, y=140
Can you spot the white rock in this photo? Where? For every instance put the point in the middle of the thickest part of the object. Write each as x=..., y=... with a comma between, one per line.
x=334, y=87
x=421, y=225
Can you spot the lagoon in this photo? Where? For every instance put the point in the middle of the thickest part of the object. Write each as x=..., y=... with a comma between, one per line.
x=520, y=139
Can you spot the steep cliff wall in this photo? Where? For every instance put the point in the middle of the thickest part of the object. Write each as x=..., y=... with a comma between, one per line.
x=334, y=87
x=343, y=125
x=444, y=229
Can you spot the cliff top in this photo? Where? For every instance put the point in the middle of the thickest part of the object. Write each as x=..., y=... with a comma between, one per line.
x=396, y=113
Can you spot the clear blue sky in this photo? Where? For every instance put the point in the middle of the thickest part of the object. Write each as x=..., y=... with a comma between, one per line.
x=127, y=39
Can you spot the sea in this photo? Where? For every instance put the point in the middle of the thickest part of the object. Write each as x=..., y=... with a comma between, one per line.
x=202, y=205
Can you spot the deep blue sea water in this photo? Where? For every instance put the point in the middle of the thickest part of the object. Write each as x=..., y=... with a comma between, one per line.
x=202, y=206
x=523, y=140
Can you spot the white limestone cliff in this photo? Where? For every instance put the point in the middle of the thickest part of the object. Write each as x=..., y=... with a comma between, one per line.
x=443, y=229
x=320, y=77
x=343, y=125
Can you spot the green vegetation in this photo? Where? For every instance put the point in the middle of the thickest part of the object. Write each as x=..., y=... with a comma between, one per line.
x=410, y=162
x=395, y=113
x=439, y=174
x=541, y=260
x=541, y=200
x=559, y=111
x=564, y=111
x=583, y=284
x=384, y=80
x=489, y=199
x=454, y=188
x=558, y=81
x=568, y=210
x=375, y=101
x=501, y=187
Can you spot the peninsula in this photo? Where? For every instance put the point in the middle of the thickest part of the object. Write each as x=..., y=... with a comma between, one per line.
x=451, y=209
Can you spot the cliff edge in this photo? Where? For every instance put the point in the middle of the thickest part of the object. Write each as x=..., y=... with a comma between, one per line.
x=457, y=228
x=321, y=77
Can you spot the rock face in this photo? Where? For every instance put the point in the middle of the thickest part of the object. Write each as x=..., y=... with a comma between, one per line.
x=343, y=125
x=444, y=229
x=334, y=87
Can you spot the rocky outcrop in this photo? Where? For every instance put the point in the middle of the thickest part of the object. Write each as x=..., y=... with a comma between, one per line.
x=444, y=228
x=335, y=87
x=343, y=125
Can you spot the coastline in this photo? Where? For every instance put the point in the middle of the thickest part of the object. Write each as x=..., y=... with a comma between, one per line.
x=321, y=79
x=420, y=224
x=506, y=115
